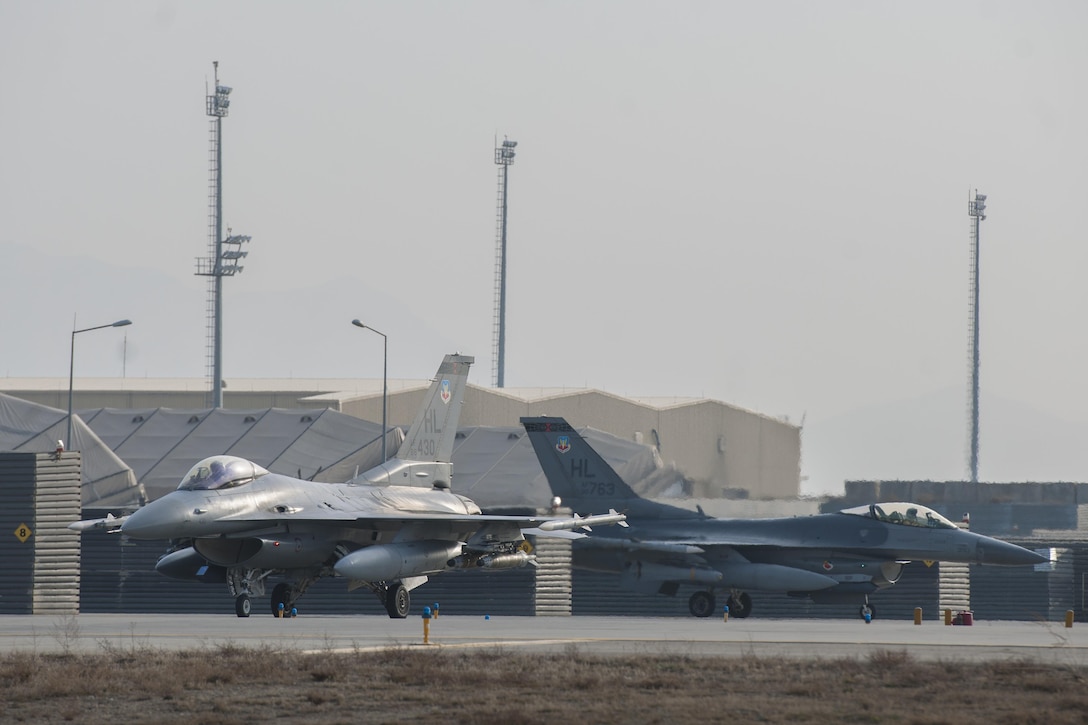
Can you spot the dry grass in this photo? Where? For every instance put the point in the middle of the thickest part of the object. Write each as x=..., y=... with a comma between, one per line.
x=229, y=685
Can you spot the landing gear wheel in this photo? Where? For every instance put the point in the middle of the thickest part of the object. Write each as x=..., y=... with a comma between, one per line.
x=701, y=604
x=397, y=601
x=740, y=606
x=867, y=609
x=242, y=605
x=281, y=595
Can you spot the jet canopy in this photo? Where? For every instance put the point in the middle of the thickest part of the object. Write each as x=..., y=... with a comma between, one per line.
x=220, y=472
x=898, y=512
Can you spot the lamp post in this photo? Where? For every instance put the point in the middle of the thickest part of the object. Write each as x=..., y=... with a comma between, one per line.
x=385, y=377
x=976, y=209
x=504, y=157
x=72, y=367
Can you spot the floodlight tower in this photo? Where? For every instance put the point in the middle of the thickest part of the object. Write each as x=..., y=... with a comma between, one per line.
x=224, y=254
x=976, y=209
x=504, y=158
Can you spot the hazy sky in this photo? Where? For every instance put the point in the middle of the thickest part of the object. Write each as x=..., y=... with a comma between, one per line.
x=763, y=202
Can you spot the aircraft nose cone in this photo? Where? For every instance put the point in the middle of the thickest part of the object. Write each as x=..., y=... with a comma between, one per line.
x=995, y=551
x=161, y=519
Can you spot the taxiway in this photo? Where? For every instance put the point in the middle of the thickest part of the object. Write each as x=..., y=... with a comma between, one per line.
x=931, y=640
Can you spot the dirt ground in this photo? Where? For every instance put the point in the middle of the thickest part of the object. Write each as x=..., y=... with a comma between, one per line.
x=237, y=685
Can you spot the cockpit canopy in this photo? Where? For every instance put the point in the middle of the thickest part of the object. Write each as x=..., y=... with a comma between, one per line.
x=220, y=472
x=899, y=512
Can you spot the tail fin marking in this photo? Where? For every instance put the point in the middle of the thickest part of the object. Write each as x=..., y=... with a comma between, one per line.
x=424, y=456
x=576, y=473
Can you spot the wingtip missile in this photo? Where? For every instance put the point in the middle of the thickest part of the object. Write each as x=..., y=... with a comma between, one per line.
x=584, y=522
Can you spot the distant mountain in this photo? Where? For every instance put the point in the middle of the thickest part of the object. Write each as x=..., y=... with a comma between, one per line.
x=926, y=438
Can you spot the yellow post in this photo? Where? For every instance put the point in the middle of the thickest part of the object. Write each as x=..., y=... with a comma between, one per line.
x=917, y=615
x=948, y=617
x=426, y=625
x=1069, y=618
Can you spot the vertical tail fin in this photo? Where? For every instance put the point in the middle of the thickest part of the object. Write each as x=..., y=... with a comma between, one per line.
x=576, y=473
x=424, y=457
x=431, y=436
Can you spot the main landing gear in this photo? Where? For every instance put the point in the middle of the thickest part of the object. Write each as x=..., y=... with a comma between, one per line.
x=397, y=600
x=393, y=595
x=285, y=594
x=701, y=604
x=867, y=609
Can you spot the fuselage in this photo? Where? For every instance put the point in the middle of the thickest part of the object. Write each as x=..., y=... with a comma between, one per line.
x=281, y=522
x=844, y=549
x=277, y=500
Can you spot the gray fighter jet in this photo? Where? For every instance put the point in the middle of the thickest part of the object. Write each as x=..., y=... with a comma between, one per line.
x=832, y=557
x=232, y=521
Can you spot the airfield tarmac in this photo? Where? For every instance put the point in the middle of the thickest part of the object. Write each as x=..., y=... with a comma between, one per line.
x=1050, y=642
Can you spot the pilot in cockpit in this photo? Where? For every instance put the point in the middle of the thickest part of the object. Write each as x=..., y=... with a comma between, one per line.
x=218, y=474
x=207, y=477
x=199, y=474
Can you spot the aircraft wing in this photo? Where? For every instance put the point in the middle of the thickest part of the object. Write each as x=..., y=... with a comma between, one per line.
x=543, y=525
x=540, y=525
x=669, y=548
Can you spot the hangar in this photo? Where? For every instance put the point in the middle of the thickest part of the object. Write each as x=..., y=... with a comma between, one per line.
x=719, y=450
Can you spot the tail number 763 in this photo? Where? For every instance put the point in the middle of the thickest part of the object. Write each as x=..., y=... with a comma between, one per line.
x=597, y=488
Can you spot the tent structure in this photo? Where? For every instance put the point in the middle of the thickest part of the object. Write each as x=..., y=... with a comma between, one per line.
x=161, y=444
x=32, y=428
x=131, y=456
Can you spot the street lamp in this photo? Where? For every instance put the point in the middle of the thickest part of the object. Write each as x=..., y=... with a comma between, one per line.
x=976, y=209
x=72, y=367
x=385, y=378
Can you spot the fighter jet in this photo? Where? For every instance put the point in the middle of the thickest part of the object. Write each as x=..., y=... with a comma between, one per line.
x=231, y=520
x=832, y=557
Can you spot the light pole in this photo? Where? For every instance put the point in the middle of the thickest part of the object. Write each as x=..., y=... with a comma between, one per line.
x=72, y=367
x=504, y=157
x=976, y=209
x=385, y=378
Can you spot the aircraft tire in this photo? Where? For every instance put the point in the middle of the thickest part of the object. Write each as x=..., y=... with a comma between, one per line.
x=867, y=608
x=701, y=604
x=740, y=606
x=280, y=596
x=397, y=601
x=242, y=605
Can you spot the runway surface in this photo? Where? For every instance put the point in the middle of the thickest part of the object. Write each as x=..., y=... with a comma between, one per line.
x=753, y=637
